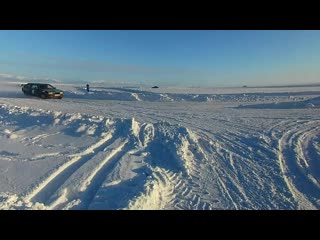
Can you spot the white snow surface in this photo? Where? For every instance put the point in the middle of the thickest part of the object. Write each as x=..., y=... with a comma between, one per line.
x=166, y=148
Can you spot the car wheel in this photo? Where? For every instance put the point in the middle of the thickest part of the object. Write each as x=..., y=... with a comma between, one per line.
x=43, y=96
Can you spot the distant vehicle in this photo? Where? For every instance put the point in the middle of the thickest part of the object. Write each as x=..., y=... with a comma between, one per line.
x=42, y=90
x=155, y=87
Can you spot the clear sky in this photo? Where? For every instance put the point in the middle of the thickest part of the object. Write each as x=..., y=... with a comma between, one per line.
x=193, y=58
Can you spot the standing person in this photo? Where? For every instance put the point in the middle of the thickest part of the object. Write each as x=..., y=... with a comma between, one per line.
x=87, y=87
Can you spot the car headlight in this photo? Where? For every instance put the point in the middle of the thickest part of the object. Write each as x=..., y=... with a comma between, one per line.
x=50, y=93
x=61, y=92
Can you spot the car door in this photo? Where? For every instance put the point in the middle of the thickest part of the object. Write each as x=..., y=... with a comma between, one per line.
x=34, y=90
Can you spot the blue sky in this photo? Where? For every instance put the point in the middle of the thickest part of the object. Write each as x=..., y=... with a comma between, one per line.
x=193, y=58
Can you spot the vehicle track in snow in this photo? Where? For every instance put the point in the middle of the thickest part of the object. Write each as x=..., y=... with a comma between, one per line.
x=93, y=182
x=47, y=187
x=159, y=191
x=298, y=169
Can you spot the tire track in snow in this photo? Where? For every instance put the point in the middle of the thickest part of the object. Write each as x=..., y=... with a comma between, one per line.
x=305, y=192
x=41, y=137
x=101, y=165
x=47, y=187
x=311, y=153
x=193, y=189
x=235, y=125
x=214, y=169
x=85, y=194
x=185, y=189
x=300, y=148
x=93, y=182
x=39, y=156
x=219, y=152
x=159, y=191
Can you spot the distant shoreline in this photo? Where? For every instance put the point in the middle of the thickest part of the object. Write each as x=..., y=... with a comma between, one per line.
x=286, y=86
x=132, y=85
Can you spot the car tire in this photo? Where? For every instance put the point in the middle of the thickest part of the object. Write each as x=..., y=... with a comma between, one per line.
x=43, y=96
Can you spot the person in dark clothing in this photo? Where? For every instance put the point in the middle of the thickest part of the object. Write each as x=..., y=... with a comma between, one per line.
x=87, y=87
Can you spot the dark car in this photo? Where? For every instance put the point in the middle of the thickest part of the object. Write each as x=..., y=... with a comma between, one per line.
x=42, y=90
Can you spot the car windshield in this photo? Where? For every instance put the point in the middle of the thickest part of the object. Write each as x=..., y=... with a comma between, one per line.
x=47, y=86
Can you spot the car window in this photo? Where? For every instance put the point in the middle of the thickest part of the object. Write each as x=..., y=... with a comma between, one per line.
x=50, y=86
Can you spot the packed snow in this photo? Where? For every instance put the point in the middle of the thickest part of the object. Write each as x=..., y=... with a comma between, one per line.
x=131, y=147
